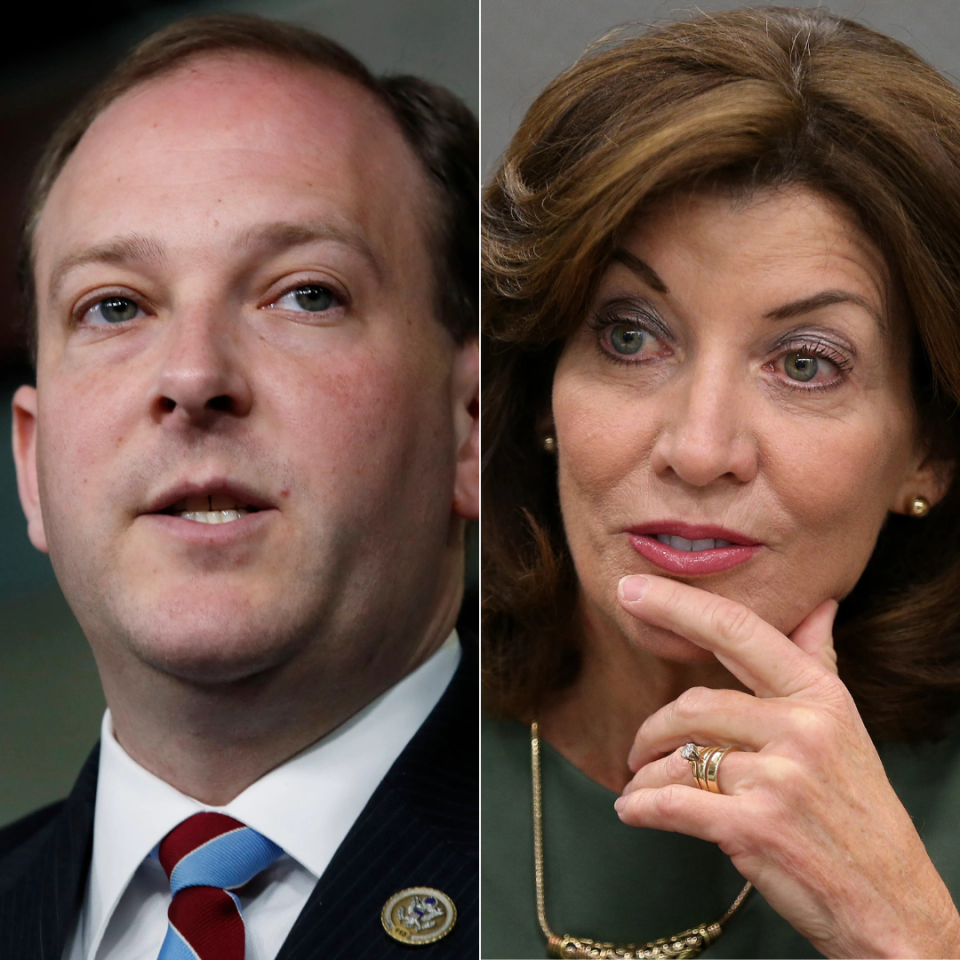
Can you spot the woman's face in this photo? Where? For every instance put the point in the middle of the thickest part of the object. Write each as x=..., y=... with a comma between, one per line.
x=735, y=410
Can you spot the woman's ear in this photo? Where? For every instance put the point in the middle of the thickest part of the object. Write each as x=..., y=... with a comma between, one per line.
x=929, y=481
x=546, y=431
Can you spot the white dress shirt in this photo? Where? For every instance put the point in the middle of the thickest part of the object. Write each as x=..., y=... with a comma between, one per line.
x=306, y=806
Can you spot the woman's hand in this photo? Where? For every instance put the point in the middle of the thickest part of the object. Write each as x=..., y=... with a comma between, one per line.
x=806, y=811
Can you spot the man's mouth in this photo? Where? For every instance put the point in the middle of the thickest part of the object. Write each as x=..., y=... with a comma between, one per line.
x=214, y=508
x=212, y=503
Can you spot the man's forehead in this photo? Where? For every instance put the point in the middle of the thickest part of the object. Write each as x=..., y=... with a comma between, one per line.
x=258, y=127
x=240, y=82
x=263, y=103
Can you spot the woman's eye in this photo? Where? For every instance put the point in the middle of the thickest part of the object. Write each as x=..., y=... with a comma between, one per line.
x=626, y=339
x=311, y=297
x=630, y=342
x=112, y=310
x=809, y=366
x=801, y=366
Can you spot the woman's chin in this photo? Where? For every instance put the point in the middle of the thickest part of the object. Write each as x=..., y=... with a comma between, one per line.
x=660, y=643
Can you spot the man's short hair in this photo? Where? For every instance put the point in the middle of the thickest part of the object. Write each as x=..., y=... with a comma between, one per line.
x=436, y=124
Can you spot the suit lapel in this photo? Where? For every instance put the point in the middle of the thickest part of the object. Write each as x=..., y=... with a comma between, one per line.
x=420, y=828
x=38, y=907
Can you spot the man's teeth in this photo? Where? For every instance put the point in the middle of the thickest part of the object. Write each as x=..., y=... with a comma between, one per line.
x=681, y=543
x=213, y=516
x=212, y=508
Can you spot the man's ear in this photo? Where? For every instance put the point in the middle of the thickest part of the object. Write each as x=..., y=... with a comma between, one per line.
x=466, y=424
x=25, y=458
x=930, y=479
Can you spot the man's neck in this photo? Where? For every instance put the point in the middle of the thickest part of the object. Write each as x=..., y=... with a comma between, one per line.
x=211, y=741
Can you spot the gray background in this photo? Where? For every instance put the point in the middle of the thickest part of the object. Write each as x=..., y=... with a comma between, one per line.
x=526, y=43
x=50, y=698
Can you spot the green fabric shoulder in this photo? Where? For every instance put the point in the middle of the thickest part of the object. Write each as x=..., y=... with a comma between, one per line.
x=603, y=880
x=611, y=882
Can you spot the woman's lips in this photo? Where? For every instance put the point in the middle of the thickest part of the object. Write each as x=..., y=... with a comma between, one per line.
x=691, y=549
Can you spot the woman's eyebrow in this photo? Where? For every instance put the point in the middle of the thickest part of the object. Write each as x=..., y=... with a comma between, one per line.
x=795, y=308
x=825, y=298
x=643, y=270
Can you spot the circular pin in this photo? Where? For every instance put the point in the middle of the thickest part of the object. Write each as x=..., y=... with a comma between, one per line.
x=418, y=915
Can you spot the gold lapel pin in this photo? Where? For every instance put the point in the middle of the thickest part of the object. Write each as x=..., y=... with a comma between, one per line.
x=418, y=915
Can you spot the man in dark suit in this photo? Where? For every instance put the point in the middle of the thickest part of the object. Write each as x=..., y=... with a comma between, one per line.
x=251, y=453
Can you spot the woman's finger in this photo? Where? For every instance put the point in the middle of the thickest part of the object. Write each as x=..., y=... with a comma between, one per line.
x=757, y=654
x=814, y=635
x=708, y=716
x=677, y=808
x=658, y=773
x=673, y=768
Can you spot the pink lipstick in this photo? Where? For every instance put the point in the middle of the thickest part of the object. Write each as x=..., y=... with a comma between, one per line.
x=691, y=549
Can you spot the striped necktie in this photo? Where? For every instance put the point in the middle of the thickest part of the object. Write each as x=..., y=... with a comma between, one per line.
x=205, y=858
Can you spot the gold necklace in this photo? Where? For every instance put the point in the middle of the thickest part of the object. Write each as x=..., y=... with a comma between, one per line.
x=689, y=943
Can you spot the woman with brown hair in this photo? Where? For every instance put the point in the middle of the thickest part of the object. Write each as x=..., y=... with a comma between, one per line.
x=721, y=532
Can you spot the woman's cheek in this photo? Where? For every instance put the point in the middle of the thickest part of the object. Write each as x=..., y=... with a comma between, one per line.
x=835, y=486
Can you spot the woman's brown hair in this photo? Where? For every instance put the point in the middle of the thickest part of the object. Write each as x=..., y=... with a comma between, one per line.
x=748, y=99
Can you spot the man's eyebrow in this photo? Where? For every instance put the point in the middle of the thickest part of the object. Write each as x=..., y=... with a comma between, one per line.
x=643, y=270
x=825, y=298
x=282, y=234
x=120, y=251
x=136, y=248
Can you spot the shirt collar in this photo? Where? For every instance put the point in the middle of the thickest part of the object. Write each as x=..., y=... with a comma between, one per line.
x=135, y=810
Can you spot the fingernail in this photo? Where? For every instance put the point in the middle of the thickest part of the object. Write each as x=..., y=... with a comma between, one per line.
x=633, y=588
x=619, y=803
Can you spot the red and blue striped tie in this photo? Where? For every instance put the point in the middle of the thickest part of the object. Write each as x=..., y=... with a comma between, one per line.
x=205, y=858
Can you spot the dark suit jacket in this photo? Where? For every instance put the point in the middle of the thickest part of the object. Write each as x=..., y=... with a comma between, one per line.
x=420, y=828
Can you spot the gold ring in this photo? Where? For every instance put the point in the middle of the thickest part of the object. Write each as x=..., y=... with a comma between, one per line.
x=705, y=763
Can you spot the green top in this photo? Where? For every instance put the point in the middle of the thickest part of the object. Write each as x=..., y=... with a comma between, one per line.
x=608, y=881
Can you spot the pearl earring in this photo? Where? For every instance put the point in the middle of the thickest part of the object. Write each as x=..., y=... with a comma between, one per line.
x=919, y=507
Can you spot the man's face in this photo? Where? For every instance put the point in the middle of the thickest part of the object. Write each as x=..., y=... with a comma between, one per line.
x=236, y=324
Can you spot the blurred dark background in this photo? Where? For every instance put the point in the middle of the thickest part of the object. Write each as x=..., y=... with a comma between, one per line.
x=50, y=698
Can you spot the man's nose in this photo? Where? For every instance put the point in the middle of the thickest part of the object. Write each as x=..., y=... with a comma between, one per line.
x=202, y=375
x=709, y=433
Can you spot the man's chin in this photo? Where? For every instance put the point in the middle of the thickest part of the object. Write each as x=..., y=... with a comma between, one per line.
x=216, y=668
x=214, y=650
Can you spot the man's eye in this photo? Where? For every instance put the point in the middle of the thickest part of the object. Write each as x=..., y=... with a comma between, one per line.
x=311, y=297
x=112, y=310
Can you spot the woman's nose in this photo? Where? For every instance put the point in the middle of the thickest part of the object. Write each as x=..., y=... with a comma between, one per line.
x=708, y=433
x=202, y=374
